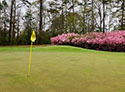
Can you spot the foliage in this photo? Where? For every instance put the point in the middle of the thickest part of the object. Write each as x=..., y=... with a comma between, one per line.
x=54, y=17
x=3, y=37
x=109, y=41
x=64, y=38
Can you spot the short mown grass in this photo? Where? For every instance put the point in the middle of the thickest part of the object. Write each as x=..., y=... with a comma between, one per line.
x=61, y=69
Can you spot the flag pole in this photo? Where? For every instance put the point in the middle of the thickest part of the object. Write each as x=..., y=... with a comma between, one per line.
x=33, y=38
x=29, y=66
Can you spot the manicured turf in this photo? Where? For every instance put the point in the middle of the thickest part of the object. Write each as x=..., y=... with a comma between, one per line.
x=61, y=69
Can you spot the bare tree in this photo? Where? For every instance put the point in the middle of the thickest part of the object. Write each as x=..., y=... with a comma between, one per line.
x=40, y=20
x=11, y=20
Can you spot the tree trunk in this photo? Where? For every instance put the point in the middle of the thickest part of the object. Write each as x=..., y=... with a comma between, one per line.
x=40, y=21
x=11, y=21
x=14, y=21
x=100, y=16
x=84, y=29
x=83, y=20
x=62, y=18
x=73, y=29
x=103, y=16
x=122, y=19
x=92, y=16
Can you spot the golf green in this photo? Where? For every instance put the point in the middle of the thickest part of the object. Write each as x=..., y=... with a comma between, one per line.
x=61, y=69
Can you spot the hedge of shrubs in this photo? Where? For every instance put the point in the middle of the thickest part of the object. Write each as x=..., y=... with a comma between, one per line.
x=109, y=41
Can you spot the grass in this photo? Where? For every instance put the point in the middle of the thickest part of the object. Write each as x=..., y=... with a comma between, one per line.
x=61, y=69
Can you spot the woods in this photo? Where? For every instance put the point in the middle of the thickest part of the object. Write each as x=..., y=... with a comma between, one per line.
x=52, y=17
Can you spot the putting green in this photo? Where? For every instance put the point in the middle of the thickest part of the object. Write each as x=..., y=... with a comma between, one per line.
x=61, y=69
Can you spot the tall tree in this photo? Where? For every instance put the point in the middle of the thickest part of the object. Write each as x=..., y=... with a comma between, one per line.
x=92, y=15
x=5, y=13
x=40, y=21
x=120, y=12
x=11, y=20
x=28, y=24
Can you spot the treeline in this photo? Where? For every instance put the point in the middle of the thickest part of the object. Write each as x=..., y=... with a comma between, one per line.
x=52, y=17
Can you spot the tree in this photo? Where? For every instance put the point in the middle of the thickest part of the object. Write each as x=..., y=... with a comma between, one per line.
x=120, y=13
x=29, y=25
x=41, y=20
x=5, y=13
x=3, y=22
x=12, y=18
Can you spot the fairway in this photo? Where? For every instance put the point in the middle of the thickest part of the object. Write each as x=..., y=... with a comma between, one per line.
x=61, y=69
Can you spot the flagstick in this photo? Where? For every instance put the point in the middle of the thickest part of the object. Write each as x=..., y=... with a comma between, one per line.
x=29, y=66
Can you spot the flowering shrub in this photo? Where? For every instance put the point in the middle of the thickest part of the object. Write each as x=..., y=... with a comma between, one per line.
x=109, y=41
x=64, y=39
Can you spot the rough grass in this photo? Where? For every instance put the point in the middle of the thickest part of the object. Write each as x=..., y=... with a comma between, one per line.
x=61, y=69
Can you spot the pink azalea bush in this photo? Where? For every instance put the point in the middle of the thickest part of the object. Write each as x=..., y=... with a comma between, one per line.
x=109, y=41
x=63, y=39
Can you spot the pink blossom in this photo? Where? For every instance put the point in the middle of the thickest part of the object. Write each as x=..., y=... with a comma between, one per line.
x=110, y=41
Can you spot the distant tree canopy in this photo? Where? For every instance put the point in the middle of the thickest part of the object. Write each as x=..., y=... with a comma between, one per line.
x=50, y=18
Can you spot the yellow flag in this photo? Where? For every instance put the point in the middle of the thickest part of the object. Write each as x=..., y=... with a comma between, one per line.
x=33, y=36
